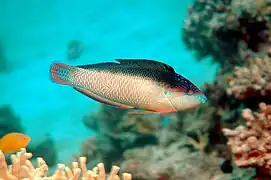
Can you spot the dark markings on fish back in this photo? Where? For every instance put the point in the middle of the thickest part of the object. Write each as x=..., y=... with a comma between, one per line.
x=146, y=63
x=166, y=79
x=99, y=66
x=132, y=63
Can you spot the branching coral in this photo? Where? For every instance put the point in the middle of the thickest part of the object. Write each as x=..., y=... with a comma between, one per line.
x=175, y=161
x=22, y=168
x=251, y=145
x=251, y=81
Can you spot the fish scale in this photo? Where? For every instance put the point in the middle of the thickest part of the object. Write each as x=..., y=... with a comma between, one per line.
x=122, y=87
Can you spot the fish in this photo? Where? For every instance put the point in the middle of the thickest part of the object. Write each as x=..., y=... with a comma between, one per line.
x=138, y=85
x=75, y=49
x=13, y=142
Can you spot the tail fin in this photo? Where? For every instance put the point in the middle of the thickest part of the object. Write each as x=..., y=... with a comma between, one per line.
x=60, y=73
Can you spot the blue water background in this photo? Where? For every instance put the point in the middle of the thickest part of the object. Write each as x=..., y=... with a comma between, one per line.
x=35, y=33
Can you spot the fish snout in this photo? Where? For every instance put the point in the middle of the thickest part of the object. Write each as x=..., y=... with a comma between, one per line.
x=201, y=96
x=188, y=101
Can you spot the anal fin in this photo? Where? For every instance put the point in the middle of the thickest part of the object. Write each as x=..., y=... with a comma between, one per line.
x=143, y=112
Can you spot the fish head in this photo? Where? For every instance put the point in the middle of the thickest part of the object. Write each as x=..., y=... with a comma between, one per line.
x=186, y=99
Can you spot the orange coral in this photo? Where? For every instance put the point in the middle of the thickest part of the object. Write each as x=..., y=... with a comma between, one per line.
x=251, y=145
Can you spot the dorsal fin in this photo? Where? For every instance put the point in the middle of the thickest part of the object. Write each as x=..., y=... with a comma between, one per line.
x=146, y=63
x=98, y=65
x=135, y=63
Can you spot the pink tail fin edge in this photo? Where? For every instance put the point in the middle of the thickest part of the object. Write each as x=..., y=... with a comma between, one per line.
x=60, y=73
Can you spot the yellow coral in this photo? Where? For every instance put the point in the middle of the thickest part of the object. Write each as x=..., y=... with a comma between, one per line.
x=23, y=169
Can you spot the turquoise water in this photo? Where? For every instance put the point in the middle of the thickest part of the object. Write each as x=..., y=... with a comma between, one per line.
x=35, y=33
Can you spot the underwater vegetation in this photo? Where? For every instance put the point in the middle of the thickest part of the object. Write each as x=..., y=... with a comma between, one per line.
x=227, y=138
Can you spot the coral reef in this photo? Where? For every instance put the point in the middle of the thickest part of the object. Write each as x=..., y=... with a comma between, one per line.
x=22, y=168
x=205, y=19
x=251, y=144
x=116, y=132
x=252, y=81
x=244, y=87
x=232, y=92
x=175, y=161
x=228, y=30
x=158, y=142
x=236, y=33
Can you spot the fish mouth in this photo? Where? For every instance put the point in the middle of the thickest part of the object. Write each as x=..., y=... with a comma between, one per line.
x=201, y=97
x=185, y=102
